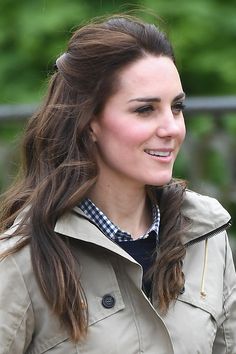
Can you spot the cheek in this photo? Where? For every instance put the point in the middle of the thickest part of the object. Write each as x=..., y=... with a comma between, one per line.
x=124, y=134
x=182, y=132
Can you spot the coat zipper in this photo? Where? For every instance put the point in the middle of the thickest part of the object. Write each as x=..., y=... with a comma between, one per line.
x=210, y=234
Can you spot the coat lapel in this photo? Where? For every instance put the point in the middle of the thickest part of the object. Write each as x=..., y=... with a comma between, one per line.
x=77, y=225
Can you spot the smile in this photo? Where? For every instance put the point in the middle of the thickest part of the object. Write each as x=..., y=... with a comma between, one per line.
x=158, y=153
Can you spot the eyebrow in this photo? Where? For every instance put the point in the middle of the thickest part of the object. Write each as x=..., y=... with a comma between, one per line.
x=156, y=99
x=181, y=96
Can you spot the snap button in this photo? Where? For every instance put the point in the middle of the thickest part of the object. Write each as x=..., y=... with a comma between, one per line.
x=108, y=301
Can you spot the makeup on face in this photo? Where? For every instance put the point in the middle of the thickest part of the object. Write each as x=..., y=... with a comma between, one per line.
x=141, y=128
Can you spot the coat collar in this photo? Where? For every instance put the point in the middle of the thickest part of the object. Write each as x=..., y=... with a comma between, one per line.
x=77, y=225
x=207, y=215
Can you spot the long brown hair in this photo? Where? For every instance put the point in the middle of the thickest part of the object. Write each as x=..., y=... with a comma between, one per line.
x=59, y=167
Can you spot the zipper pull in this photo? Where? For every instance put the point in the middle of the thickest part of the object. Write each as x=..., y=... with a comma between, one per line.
x=203, y=292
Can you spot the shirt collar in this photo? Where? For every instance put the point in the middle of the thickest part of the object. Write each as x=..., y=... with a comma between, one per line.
x=111, y=230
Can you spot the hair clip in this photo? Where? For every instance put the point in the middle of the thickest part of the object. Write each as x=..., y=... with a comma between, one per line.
x=57, y=63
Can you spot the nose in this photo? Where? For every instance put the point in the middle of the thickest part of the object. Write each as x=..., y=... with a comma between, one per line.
x=170, y=125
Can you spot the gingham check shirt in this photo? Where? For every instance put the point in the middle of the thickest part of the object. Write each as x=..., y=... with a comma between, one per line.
x=112, y=231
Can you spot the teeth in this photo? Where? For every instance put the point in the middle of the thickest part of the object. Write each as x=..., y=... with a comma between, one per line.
x=158, y=153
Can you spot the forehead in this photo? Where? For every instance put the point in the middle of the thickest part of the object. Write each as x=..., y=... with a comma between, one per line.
x=148, y=74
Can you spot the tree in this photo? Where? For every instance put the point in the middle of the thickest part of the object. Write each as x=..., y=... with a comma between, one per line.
x=33, y=33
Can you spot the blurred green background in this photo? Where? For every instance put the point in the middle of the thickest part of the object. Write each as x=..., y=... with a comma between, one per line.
x=203, y=32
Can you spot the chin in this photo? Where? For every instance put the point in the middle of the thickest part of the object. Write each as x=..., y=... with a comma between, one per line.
x=160, y=181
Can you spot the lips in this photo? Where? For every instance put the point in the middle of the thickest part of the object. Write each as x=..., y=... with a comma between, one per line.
x=159, y=153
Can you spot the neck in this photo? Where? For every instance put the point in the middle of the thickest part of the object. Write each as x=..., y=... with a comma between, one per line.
x=126, y=207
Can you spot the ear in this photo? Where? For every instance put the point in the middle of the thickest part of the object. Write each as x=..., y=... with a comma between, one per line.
x=94, y=129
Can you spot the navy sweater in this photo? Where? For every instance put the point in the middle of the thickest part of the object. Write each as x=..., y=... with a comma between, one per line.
x=142, y=250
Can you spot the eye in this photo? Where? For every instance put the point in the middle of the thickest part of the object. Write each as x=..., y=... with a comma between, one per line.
x=145, y=110
x=178, y=107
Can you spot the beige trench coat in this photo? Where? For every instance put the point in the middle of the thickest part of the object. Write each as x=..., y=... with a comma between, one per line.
x=121, y=318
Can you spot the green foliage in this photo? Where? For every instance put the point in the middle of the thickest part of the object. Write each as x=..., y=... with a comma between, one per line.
x=10, y=131
x=207, y=159
x=10, y=136
x=34, y=33
x=203, y=33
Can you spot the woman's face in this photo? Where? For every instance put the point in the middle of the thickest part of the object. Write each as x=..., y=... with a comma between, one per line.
x=141, y=128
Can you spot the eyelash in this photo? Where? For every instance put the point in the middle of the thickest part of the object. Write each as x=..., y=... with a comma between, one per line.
x=178, y=107
x=145, y=110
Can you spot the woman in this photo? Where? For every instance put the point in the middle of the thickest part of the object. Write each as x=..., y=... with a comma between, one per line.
x=103, y=252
